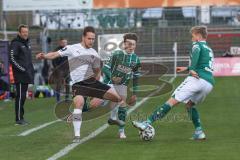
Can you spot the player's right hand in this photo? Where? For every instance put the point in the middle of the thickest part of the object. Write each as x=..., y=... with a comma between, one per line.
x=40, y=56
x=181, y=69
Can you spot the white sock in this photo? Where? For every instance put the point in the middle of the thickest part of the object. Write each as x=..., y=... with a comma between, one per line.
x=77, y=121
x=114, y=112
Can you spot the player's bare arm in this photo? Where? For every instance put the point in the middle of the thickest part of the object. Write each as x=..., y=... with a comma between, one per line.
x=97, y=73
x=50, y=55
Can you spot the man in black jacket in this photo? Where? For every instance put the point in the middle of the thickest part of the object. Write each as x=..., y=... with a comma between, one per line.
x=23, y=71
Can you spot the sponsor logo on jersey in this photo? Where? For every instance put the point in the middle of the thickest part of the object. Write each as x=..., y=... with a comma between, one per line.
x=124, y=69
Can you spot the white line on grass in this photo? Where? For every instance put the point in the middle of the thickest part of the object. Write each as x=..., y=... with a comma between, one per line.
x=71, y=146
x=27, y=132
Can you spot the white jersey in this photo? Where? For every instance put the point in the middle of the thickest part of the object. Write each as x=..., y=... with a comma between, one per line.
x=81, y=61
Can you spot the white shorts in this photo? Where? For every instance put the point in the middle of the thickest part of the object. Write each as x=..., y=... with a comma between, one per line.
x=192, y=89
x=120, y=89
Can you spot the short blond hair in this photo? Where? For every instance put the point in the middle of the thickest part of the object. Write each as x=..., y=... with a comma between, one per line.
x=202, y=30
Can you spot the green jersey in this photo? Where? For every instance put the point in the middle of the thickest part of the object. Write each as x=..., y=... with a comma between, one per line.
x=123, y=65
x=201, y=57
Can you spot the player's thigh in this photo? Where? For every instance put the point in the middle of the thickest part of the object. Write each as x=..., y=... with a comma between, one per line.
x=112, y=95
x=205, y=89
x=186, y=90
x=90, y=88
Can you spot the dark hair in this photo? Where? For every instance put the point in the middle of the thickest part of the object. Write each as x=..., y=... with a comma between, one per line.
x=132, y=36
x=88, y=29
x=62, y=38
x=22, y=26
x=200, y=30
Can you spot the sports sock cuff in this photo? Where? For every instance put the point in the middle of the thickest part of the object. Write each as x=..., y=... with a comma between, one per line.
x=77, y=111
x=167, y=104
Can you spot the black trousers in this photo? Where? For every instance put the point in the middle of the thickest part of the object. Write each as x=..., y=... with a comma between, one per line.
x=21, y=89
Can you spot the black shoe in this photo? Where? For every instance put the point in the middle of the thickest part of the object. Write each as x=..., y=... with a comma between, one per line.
x=21, y=122
x=76, y=139
x=116, y=122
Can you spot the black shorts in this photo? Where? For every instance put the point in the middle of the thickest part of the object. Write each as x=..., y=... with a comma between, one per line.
x=90, y=88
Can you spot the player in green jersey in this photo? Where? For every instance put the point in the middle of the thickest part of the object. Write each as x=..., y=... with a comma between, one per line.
x=122, y=67
x=194, y=88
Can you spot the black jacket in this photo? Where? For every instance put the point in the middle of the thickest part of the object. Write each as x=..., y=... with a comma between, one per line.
x=57, y=62
x=21, y=60
x=61, y=64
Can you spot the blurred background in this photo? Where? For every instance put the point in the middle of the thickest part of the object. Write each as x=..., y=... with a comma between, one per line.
x=162, y=26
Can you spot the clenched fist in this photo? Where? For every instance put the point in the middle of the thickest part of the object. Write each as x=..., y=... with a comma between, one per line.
x=40, y=56
x=116, y=80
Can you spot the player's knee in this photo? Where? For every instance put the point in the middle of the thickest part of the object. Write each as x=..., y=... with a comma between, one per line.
x=95, y=102
x=190, y=104
x=78, y=101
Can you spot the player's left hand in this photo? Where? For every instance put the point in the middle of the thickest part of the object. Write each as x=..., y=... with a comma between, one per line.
x=194, y=74
x=132, y=101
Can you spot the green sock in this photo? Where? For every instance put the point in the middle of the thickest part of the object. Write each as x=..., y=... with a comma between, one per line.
x=194, y=115
x=122, y=114
x=159, y=113
x=86, y=105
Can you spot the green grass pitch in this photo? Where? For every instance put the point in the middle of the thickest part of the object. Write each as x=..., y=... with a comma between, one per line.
x=219, y=115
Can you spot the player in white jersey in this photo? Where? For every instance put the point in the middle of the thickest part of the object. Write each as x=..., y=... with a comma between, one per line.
x=85, y=67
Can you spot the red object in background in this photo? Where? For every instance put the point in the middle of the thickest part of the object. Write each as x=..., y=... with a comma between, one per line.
x=3, y=95
x=229, y=66
x=11, y=74
x=30, y=94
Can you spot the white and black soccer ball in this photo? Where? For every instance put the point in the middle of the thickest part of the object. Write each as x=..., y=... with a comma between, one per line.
x=147, y=134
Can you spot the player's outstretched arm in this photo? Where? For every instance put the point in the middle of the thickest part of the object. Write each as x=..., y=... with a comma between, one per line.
x=50, y=55
x=192, y=72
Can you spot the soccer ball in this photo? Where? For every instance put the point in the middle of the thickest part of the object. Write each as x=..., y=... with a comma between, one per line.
x=147, y=134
